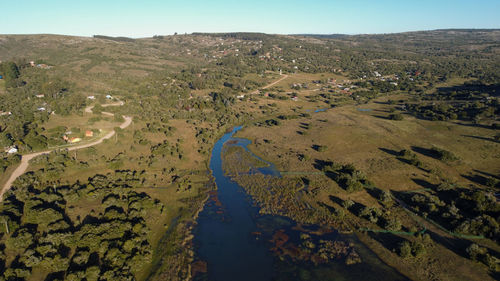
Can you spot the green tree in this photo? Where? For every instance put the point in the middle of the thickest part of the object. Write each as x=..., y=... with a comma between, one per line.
x=5, y=140
x=11, y=73
x=405, y=249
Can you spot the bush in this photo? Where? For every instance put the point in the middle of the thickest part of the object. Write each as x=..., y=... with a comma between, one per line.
x=443, y=155
x=396, y=116
x=475, y=251
x=418, y=249
x=405, y=249
x=392, y=224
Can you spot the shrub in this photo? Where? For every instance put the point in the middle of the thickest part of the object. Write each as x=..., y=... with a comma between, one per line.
x=418, y=249
x=396, y=116
x=405, y=249
x=475, y=251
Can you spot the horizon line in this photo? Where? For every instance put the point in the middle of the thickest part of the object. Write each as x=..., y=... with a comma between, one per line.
x=258, y=32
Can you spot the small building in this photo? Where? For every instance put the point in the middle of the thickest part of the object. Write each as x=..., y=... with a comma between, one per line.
x=3, y=113
x=91, y=97
x=89, y=134
x=43, y=66
x=240, y=96
x=11, y=150
x=41, y=109
x=32, y=63
x=1, y=77
x=75, y=140
x=295, y=98
x=109, y=97
x=40, y=96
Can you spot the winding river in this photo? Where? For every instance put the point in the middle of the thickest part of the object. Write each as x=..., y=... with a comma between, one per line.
x=234, y=240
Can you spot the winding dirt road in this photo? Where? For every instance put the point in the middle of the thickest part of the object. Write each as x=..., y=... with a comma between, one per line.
x=284, y=76
x=26, y=158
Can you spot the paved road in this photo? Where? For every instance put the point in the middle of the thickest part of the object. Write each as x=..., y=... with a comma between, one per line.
x=27, y=157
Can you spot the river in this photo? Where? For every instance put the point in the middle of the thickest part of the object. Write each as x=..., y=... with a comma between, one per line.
x=234, y=240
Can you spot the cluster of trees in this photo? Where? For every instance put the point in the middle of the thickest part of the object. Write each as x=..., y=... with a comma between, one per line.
x=469, y=102
x=416, y=248
x=469, y=211
x=24, y=127
x=165, y=149
x=10, y=73
x=381, y=217
x=346, y=176
x=481, y=254
x=8, y=160
x=42, y=227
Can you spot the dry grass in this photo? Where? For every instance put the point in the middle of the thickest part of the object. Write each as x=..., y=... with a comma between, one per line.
x=359, y=137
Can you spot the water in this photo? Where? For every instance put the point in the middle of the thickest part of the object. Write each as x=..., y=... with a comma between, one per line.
x=224, y=240
x=234, y=240
x=320, y=110
x=317, y=110
x=269, y=170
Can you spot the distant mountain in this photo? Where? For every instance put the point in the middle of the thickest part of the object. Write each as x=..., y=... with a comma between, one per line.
x=324, y=36
x=119, y=39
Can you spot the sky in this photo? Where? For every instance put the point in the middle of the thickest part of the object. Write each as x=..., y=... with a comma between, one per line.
x=145, y=18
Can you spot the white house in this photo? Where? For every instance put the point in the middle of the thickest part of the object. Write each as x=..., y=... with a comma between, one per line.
x=11, y=150
x=109, y=97
x=91, y=97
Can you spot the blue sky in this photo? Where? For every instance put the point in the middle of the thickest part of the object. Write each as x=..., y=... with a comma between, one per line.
x=145, y=18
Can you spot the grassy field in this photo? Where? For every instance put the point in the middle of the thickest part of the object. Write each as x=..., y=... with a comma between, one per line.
x=368, y=139
x=364, y=136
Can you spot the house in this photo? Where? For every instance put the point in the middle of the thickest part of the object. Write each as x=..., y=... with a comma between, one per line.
x=43, y=66
x=32, y=63
x=109, y=97
x=40, y=96
x=11, y=150
x=65, y=138
x=240, y=96
x=75, y=140
x=41, y=109
x=91, y=97
x=295, y=98
x=3, y=113
x=89, y=134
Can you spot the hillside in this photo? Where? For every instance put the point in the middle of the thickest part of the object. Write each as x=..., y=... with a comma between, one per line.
x=391, y=138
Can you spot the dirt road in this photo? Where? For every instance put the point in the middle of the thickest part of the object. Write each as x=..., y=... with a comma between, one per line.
x=26, y=158
x=284, y=76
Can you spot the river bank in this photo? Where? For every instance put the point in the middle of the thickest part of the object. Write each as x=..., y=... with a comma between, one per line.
x=233, y=241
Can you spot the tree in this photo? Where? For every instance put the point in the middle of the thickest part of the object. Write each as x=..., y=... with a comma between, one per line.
x=11, y=73
x=5, y=140
x=405, y=249
x=396, y=116
x=497, y=137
